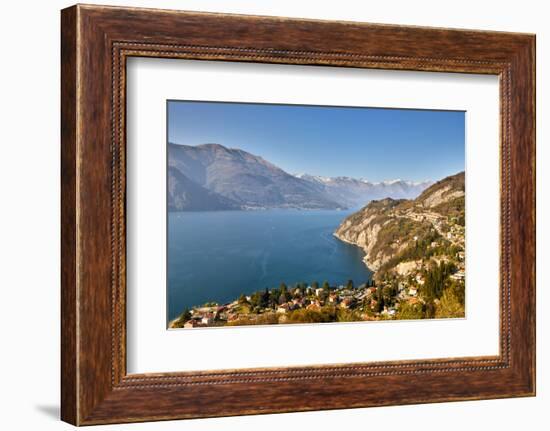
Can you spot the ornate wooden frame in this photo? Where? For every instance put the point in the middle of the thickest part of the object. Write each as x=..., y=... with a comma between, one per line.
x=95, y=42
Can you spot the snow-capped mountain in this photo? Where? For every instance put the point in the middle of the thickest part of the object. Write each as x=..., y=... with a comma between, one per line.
x=355, y=192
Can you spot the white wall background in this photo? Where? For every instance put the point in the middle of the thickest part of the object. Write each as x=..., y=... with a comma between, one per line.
x=29, y=216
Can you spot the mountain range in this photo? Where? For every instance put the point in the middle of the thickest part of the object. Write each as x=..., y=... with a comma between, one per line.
x=211, y=177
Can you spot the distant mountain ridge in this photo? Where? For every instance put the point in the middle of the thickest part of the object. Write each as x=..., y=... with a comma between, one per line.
x=353, y=192
x=213, y=177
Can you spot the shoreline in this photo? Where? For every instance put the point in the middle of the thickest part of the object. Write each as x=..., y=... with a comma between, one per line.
x=365, y=258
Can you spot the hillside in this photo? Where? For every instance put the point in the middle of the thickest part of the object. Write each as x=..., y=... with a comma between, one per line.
x=395, y=234
x=416, y=248
x=246, y=181
x=184, y=194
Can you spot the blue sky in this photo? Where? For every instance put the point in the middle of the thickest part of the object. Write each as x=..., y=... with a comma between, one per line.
x=373, y=143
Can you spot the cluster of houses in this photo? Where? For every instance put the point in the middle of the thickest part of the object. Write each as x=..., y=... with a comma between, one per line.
x=310, y=299
x=362, y=298
x=359, y=298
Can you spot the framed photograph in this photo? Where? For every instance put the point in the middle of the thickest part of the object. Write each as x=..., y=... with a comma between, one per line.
x=265, y=215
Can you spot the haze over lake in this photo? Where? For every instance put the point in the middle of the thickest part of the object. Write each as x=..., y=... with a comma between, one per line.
x=218, y=255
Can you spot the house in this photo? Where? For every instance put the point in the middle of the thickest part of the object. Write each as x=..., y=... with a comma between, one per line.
x=413, y=291
x=315, y=305
x=193, y=323
x=207, y=319
x=347, y=302
x=361, y=296
x=333, y=298
x=318, y=291
x=459, y=275
x=419, y=279
x=282, y=309
x=388, y=311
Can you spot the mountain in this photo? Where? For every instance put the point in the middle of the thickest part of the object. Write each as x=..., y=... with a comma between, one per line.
x=397, y=235
x=353, y=192
x=242, y=179
x=214, y=177
x=184, y=194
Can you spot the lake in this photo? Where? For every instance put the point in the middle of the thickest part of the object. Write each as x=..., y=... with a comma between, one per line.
x=218, y=255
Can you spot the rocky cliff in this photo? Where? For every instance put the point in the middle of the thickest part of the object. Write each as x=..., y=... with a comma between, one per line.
x=397, y=234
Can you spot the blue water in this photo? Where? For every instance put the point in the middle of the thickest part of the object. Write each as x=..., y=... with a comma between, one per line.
x=218, y=255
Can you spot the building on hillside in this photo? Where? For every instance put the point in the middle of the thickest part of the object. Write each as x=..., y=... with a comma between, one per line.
x=207, y=319
x=315, y=305
x=459, y=275
x=193, y=323
x=283, y=308
x=347, y=302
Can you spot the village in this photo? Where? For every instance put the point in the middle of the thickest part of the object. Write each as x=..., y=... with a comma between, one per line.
x=310, y=298
x=314, y=304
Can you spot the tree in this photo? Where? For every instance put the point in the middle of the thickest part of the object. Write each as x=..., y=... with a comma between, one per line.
x=449, y=305
x=274, y=297
x=315, y=285
x=410, y=311
x=326, y=286
x=264, y=302
x=435, y=278
x=283, y=297
x=379, y=301
x=429, y=312
x=349, y=284
x=255, y=299
x=186, y=315
x=388, y=294
x=180, y=321
x=242, y=299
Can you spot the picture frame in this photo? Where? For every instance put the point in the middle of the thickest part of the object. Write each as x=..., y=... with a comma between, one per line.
x=96, y=42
